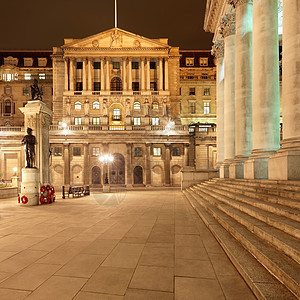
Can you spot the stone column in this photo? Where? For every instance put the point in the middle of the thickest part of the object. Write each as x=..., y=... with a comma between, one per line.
x=90, y=74
x=124, y=70
x=148, y=164
x=186, y=155
x=243, y=86
x=107, y=74
x=228, y=32
x=66, y=75
x=129, y=165
x=71, y=84
x=167, y=164
x=161, y=76
x=148, y=74
x=102, y=79
x=129, y=73
x=66, y=164
x=142, y=73
x=86, y=165
x=265, y=105
x=166, y=74
x=285, y=165
x=218, y=52
x=84, y=74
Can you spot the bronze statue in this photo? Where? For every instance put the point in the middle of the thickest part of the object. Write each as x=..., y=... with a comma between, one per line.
x=29, y=142
x=36, y=93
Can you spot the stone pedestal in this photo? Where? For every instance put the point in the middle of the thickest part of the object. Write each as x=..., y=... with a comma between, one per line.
x=236, y=169
x=256, y=168
x=106, y=188
x=14, y=181
x=224, y=170
x=30, y=186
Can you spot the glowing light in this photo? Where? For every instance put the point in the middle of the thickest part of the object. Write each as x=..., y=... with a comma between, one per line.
x=15, y=169
x=64, y=125
x=106, y=158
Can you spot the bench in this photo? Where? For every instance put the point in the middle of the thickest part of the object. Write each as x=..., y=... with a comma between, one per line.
x=78, y=191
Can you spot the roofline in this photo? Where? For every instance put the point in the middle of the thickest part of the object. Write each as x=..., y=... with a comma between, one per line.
x=26, y=50
x=194, y=50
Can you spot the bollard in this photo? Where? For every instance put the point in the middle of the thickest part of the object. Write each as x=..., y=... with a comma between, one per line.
x=63, y=192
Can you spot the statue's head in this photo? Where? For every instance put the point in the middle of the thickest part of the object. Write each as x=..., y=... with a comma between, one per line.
x=29, y=130
x=35, y=81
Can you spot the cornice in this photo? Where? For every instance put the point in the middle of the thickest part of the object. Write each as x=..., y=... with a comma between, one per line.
x=112, y=49
x=218, y=49
x=227, y=26
x=236, y=3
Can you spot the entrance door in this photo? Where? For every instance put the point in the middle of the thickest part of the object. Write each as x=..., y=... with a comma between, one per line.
x=117, y=169
x=138, y=175
x=96, y=175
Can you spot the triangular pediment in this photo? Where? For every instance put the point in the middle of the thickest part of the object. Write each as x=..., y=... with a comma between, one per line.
x=116, y=38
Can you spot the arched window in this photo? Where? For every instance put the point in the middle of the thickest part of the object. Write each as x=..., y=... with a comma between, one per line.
x=7, y=107
x=77, y=105
x=116, y=84
x=155, y=105
x=96, y=105
x=136, y=105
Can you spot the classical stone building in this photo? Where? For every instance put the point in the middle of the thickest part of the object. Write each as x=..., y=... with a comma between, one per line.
x=117, y=93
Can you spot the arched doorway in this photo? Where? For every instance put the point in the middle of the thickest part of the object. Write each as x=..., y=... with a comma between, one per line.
x=117, y=169
x=96, y=175
x=157, y=176
x=138, y=175
x=116, y=84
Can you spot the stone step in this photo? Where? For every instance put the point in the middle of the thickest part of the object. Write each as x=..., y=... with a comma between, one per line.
x=280, y=240
x=263, y=284
x=283, y=223
x=251, y=190
x=257, y=200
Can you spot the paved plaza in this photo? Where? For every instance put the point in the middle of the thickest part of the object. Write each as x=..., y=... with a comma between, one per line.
x=123, y=245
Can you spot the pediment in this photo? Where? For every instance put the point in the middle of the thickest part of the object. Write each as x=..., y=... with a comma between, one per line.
x=116, y=38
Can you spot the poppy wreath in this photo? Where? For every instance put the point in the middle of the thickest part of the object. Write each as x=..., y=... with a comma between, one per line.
x=24, y=199
x=42, y=199
x=43, y=189
x=48, y=187
x=47, y=194
x=19, y=199
x=52, y=190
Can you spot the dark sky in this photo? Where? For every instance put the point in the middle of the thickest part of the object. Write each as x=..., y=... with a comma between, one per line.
x=42, y=24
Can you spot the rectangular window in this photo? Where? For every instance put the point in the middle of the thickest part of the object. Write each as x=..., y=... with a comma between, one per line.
x=97, y=65
x=192, y=91
x=152, y=65
x=42, y=76
x=77, y=121
x=189, y=61
x=136, y=121
x=153, y=86
x=116, y=65
x=176, y=151
x=206, y=92
x=192, y=107
x=180, y=91
x=95, y=151
x=78, y=86
x=42, y=61
x=76, y=151
x=206, y=108
x=79, y=65
x=97, y=86
x=138, y=152
x=156, y=151
x=155, y=121
x=135, y=65
x=27, y=76
x=135, y=86
x=204, y=61
x=116, y=114
x=96, y=121
x=57, y=151
x=204, y=76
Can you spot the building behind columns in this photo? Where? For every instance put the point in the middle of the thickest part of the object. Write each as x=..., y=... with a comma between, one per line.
x=119, y=93
x=253, y=42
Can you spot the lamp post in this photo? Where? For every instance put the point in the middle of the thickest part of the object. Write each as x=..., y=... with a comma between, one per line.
x=106, y=159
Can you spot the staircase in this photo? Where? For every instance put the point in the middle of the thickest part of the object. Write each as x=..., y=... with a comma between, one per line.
x=257, y=222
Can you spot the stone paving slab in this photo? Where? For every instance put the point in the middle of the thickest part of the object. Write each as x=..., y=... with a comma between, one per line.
x=124, y=245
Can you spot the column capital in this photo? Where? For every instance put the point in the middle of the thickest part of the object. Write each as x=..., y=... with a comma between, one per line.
x=90, y=58
x=218, y=49
x=227, y=26
x=66, y=59
x=236, y=3
x=72, y=58
x=130, y=58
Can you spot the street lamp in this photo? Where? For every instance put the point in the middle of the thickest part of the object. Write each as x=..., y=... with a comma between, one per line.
x=106, y=159
x=15, y=169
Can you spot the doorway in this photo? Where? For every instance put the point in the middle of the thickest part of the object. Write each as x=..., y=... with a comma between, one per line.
x=138, y=175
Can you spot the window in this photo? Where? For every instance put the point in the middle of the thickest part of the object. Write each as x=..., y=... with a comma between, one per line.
x=152, y=65
x=78, y=86
x=206, y=108
x=96, y=121
x=176, y=151
x=76, y=151
x=97, y=65
x=7, y=107
x=97, y=86
x=116, y=65
x=10, y=61
x=180, y=91
x=26, y=91
x=79, y=65
x=206, y=91
x=77, y=105
x=77, y=121
x=116, y=84
x=155, y=121
x=189, y=61
x=204, y=76
x=95, y=151
x=204, y=61
x=135, y=65
x=192, y=107
x=42, y=61
x=156, y=151
x=27, y=76
x=42, y=76
x=116, y=114
x=135, y=86
x=57, y=151
x=155, y=105
x=28, y=61
x=153, y=86
x=96, y=105
x=136, y=121
x=192, y=91
x=138, y=152
x=136, y=105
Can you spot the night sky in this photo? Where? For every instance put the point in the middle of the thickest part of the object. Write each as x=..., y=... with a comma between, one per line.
x=40, y=25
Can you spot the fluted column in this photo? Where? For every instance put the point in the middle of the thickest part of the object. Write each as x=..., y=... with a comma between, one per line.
x=130, y=74
x=71, y=84
x=228, y=32
x=66, y=164
x=124, y=70
x=161, y=76
x=66, y=75
x=86, y=167
x=107, y=74
x=186, y=154
x=102, y=79
x=166, y=74
x=265, y=105
x=148, y=164
x=84, y=74
x=285, y=165
x=142, y=73
x=167, y=164
x=129, y=165
x=90, y=74
x=218, y=52
x=148, y=74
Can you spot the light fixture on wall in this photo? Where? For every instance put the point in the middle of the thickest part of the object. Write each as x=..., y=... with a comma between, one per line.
x=15, y=169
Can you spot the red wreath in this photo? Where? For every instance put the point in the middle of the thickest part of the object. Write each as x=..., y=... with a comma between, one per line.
x=43, y=189
x=49, y=199
x=53, y=200
x=53, y=190
x=42, y=199
x=24, y=199
x=48, y=187
x=18, y=199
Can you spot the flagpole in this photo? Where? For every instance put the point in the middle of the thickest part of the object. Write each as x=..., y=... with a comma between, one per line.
x=116, y=14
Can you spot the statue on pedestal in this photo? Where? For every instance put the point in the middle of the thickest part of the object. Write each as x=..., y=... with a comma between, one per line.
x=36, y=93
x=29, y=142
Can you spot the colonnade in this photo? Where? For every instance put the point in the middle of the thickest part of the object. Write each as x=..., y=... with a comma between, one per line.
x=248, y=97
x=126, y=69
